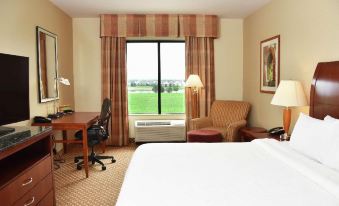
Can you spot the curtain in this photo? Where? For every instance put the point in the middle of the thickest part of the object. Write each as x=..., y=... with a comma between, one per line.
x=114, y=86
x=200, y=60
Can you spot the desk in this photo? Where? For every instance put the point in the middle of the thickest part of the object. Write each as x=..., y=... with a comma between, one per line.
x=76, y=121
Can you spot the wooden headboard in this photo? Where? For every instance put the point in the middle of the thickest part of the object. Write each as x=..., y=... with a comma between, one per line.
x=324, y=99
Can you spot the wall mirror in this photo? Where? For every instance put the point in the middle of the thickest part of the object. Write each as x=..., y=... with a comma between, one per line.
x=47, y=65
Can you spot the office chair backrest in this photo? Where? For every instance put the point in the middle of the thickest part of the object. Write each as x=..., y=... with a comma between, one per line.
x=105, y=114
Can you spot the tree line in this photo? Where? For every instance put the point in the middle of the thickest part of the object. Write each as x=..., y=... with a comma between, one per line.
x=168, y=89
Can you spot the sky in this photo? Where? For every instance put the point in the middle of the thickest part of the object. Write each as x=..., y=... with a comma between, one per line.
x=142, y=61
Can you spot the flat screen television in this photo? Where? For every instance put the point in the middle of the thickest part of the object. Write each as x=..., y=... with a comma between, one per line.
x=14, y=89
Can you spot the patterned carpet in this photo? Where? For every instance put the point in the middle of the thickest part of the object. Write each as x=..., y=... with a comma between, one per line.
x=101, y=188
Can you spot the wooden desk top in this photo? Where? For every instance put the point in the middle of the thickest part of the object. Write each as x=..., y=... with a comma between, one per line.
x=77, y=118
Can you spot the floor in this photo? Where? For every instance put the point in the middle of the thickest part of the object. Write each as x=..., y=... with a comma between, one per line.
x=101, y=188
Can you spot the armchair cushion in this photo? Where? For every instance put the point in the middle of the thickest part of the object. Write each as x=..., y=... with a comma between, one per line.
x=199, y=123
x=230, y=133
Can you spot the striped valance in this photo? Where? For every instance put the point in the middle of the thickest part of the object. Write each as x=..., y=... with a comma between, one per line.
x=159, y=25
x=199, y=25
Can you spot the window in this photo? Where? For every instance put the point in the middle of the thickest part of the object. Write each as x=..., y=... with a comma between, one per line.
x=156, y=75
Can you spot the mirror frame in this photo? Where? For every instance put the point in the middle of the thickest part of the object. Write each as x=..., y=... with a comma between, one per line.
x=41, y=99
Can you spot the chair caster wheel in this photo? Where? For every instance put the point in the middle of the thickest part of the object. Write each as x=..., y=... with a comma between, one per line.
x=113, y=160
x=93, y=162
x=103, y=168
x=78, y=167
x=76, y=160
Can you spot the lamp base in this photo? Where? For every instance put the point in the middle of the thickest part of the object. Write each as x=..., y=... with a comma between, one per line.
x=287, y=119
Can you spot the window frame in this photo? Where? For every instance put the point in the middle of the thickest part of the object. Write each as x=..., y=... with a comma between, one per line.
x=159, y=71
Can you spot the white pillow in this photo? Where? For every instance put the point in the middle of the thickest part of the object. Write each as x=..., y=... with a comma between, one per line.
x=330, y=119
x=311, y=137
x=332, y=154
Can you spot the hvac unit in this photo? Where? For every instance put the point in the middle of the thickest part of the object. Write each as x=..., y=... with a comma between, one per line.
x=160, y=130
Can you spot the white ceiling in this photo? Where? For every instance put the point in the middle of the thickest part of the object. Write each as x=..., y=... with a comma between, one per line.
x=223, y=8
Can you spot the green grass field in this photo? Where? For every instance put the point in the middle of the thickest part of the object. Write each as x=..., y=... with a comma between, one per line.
x=147, y=103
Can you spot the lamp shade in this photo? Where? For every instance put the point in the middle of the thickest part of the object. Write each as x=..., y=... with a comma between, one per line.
x=289, y=94
x=194, y=81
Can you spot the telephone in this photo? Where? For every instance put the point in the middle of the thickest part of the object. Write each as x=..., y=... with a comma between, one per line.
x=40, y=119
x=276, y=131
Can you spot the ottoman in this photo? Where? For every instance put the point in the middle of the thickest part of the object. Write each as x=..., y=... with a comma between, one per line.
x=204, y=135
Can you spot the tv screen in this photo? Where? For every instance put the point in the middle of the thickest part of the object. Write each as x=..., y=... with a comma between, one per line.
x=14, y=89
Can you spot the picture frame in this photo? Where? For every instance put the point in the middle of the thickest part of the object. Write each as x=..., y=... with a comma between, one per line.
x=270, y=64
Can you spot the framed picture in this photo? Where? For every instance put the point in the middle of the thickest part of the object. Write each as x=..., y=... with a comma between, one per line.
x=270, y=64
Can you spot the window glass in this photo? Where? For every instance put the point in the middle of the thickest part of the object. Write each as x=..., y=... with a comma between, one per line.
x=142, y=77
x=146, y=61
x=172, y=77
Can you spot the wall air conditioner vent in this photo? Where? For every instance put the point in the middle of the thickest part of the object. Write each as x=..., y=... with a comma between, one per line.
x=152, y=123
x=160, y=130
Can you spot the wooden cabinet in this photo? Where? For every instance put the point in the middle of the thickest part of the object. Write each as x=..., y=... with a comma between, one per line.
x=26, y=175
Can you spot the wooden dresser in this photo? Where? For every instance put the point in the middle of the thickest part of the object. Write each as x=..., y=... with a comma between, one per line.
x=26, y=167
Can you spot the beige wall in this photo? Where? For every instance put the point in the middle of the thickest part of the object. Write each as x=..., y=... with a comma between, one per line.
x=87, y=64
x=228, y=51
x=18, y=20
x=86, y=53
x=309, y=32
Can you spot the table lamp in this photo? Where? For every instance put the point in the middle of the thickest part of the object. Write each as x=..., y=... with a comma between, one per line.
x=289, y=94
x=194, y=82
x=65, y=82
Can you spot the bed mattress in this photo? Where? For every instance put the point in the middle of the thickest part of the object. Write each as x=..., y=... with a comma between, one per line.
x=262, y=172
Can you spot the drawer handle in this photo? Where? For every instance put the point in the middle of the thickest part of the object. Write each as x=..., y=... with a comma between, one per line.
x=29, y=181
x=30, y=202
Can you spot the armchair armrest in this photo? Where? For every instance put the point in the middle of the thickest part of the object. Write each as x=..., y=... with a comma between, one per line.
x=233, y=128
x=198, y=123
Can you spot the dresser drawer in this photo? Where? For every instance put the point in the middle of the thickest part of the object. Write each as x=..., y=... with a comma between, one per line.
x=22, y=184
x=48, y=200
x=34, y=196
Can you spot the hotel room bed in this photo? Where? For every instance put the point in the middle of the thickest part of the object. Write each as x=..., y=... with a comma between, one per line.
x=263, y=172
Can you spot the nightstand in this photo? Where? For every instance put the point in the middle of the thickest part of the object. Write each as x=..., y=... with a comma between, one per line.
x=251, y=133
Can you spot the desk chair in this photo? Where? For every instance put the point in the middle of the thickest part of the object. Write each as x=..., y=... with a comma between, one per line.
x=96, y=134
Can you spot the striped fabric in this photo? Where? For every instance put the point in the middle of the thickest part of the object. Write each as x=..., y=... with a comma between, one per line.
x=223, y=113
x=114, y=86
x=122, y=25
x=199, y=25
x=200, y=60
x=159, y=25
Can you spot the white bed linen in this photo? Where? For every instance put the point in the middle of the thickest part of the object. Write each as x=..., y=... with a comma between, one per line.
x=262, y=172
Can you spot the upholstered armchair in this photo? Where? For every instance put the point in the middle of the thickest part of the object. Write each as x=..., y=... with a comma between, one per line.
x=227, y=117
